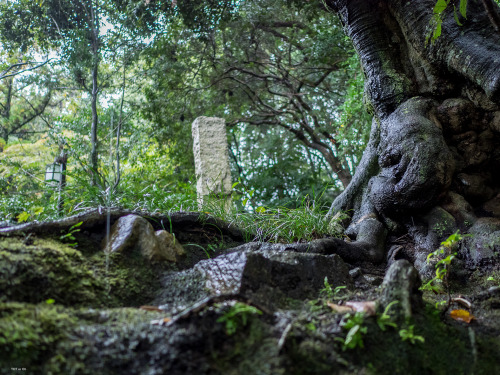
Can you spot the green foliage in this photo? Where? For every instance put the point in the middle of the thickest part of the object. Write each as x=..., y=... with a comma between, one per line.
x=354, y=325
x=173, y=81
x=287, y=225
x=188, y=82
x=237, y=317
x=407, y=334
x=442, y=259
x=495, y=278
x=331, y=293
x=24, y=195
x=28, y=333
x=439, y=13
x=69, y=235
x=384, y=320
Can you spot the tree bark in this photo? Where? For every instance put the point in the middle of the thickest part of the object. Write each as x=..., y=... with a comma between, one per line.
x=430, y=167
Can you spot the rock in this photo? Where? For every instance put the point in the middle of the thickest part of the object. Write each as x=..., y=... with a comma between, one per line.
x=169, y=247
x=401, y=283
x=134, y=233
x=373, y=280
x=474, y=187
x=459, y=208
x=440, y=222
x=495, y=122
x=355, y=272
x=494, y=290
x=492, y=207
x=484, y=243
x=268, y=274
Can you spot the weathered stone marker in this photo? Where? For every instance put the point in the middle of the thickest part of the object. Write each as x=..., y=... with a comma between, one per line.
x=211, y=160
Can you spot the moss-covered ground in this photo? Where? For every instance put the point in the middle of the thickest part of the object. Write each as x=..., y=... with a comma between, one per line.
x=66, y=310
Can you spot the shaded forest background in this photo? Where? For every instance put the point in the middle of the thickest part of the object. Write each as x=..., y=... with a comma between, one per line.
x=116, y=87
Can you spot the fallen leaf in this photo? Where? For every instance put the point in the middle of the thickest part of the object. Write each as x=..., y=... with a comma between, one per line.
x=368, y=307
x=150, y=308
x=339, y=308
x=462, y=315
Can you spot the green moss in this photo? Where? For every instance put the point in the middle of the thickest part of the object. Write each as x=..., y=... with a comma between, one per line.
x=47, y=269
x=52, y=339
x=129, y=280
x=28, y=333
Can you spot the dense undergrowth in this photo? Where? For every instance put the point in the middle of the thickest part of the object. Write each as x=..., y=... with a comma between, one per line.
x=26, y=197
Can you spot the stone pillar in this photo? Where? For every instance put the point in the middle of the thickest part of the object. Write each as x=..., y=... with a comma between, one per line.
x=211, y=160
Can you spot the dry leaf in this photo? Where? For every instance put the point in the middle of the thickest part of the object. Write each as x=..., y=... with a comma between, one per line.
x=462, y=315
x=339, y=308
x=150, y=308
x=368, y=307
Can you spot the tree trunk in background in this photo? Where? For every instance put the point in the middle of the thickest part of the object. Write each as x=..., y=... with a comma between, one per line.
x=93, y=131
x=94, y=162
x=6, y=110
x=432, y=164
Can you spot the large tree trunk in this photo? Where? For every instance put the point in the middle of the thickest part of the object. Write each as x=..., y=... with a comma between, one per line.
x=432, y=164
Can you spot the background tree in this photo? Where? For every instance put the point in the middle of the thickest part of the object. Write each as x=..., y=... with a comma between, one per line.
x=261, y=73
x=74, y=28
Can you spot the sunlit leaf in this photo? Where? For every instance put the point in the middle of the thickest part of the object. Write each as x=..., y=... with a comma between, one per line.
x=38, y=210
x=23, y=216
x=462, y=315
x=440, y=6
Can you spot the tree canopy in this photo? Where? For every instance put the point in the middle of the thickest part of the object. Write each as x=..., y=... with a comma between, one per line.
x=296, y=122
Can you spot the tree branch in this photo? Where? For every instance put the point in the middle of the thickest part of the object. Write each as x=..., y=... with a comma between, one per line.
x=5, y=75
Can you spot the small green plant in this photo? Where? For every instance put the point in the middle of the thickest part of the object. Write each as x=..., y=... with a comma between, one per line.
x=69, y=236
x=442, y=258
x=237, y=316
x=331, y=293
x=200, y=247
x=384, y=320
x=354, y=324
x=311, y=326
x=495, y=278
x=408, y=335
x=439, y=14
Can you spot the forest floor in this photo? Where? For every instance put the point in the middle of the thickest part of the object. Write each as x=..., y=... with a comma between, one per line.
x=68, y=307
